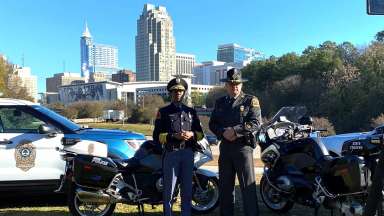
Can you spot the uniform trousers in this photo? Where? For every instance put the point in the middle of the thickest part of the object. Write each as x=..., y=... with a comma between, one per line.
x=236, y=158
x=178, y=165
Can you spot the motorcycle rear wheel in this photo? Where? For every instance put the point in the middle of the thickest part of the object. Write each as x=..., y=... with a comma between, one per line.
x=205, y=201
x=272, y=199
x=78, y=208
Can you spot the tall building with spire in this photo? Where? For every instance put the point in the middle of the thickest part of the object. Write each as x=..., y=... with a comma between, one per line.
x=155, y=45
x=97, y=58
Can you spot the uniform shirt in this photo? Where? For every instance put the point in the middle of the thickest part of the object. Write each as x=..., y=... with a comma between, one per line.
x=235, y=113
x=173, y=119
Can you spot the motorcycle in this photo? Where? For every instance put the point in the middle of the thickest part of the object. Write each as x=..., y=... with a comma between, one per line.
x=95, y=183
x=370, y=148
x=299, y=169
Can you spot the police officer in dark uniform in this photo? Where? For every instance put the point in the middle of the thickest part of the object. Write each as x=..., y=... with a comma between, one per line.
x=177, y=128
x=234, y=121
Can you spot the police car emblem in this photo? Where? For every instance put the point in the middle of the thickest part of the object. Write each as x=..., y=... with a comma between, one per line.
x=25, y=155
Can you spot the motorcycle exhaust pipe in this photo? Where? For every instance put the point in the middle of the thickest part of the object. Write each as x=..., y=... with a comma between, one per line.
x=93, y=197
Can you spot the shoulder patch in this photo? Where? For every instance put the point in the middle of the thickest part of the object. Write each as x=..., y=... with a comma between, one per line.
x=255, y=102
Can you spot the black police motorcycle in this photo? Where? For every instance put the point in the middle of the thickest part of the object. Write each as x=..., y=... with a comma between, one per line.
x=299, y=169
x=370, y=149
x=95, y=182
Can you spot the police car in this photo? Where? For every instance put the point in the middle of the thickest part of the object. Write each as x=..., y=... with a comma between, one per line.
x=29, y=137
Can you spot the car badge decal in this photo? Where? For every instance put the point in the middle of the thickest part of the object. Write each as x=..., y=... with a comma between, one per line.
x=25, y=155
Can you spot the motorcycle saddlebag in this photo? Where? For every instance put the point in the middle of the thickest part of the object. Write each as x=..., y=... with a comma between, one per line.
x=343, y=175
x=96, y=172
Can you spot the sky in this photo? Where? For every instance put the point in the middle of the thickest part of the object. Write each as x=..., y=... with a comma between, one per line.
x=43, y=34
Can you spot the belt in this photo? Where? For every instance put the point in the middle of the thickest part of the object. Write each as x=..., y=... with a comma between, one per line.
x=173, y=147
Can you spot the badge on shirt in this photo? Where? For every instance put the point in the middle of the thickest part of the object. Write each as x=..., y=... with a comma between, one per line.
x=255, y=102
x=241, y=108
x=158, y=116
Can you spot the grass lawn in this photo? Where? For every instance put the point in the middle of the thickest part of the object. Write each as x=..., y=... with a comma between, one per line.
x=49, y=206
x=145, y=129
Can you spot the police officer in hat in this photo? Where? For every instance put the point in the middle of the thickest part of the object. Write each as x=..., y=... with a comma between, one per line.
x=233, y=118
x=177, y=128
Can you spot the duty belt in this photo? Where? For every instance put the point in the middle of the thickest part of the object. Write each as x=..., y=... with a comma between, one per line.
x=176, y=147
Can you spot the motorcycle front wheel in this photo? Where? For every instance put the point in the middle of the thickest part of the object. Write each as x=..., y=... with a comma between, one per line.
x=205, y=200
x=272, y=198
x=78, y=208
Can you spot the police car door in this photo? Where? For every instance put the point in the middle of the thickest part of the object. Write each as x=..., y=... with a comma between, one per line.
x=25, y=153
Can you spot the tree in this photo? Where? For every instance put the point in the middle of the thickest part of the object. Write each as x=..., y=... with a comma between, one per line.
x=129, y=106
x=5, y=70
x=70, y=112
x=198, y=99
x=147, y=113
x=56, y=106
x=323, y=123
x=347, y=52
x=126, y=106
x=10, y=84
x=213, y=95
x=379, y=36
x=95, y=109
x=87, y=109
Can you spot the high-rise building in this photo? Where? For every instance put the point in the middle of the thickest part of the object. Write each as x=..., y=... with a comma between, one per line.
x=97, y=57
x=60, y=79
x=235, y=53
x=184, y=63
x=210, y=72
x=123, y=76
x=21, y=76
x=155, y=45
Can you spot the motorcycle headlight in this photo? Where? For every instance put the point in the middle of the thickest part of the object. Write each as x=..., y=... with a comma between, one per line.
x=279, y=131
x=135, y=144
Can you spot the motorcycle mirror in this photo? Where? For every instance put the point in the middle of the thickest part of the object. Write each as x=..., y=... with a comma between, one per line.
x=306, y=120
x=375, y=7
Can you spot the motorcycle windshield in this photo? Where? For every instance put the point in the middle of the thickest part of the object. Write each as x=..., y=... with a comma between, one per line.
x=292, y=114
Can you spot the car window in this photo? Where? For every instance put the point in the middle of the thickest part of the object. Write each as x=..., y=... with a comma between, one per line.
x=14, y=120
x=62, y=120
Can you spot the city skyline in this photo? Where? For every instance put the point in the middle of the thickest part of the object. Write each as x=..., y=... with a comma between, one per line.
x=47, y=35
